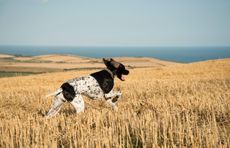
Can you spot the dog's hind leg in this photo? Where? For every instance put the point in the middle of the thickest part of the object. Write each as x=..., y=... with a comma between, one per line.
x=78, y=103
x=57, y=104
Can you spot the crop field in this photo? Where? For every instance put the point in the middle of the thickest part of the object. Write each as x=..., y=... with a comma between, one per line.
x=180, y=105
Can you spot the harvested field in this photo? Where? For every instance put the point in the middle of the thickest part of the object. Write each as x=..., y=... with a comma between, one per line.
x=174, y=106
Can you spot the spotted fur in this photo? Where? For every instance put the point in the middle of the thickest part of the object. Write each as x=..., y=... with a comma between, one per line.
x=97, y=86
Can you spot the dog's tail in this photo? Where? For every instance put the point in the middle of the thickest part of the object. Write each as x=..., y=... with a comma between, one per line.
x=54, y=93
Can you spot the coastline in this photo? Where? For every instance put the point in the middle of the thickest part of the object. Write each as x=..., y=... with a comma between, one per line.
x=175, y=54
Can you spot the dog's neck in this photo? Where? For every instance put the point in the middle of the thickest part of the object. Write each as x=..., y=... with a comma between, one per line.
x=110, y=72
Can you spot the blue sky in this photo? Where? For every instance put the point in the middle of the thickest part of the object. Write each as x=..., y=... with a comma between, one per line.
x=115, y=22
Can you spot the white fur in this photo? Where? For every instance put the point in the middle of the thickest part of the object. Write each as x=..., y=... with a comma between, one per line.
x=88, y=86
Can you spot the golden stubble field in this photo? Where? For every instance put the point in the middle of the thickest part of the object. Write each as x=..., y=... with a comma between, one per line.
x=174, y=106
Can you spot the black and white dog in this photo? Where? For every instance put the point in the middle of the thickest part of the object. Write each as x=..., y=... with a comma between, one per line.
x=96, y=86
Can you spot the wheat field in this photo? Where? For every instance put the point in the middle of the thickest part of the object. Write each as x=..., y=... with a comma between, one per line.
x=186, y=105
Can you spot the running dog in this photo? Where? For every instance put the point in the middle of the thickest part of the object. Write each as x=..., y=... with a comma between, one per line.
x=97, y=85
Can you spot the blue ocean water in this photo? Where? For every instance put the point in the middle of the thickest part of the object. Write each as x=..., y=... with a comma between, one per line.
x=178, y=54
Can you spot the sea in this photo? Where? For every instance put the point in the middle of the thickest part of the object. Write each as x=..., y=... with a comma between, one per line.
x=176, y=54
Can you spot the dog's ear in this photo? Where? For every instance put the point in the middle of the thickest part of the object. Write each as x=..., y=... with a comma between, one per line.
x=107, y=59
x=112, y=62
x=115, y=63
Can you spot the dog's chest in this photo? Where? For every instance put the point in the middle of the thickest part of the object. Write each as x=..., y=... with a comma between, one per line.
x=88, y=86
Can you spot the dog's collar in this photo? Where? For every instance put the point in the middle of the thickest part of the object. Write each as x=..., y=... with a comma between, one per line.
x=110, y=72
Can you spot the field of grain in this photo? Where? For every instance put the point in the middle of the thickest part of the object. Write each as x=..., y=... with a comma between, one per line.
x=173, y=106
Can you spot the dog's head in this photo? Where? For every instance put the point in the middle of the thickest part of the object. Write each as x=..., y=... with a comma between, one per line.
x=116, y=68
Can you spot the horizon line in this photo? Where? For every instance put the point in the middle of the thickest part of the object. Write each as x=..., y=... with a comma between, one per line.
x=117, y=46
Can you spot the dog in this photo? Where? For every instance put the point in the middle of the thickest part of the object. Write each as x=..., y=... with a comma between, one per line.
x=98, y=85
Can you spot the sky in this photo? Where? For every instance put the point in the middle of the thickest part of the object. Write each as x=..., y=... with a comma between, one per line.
x=115, y=22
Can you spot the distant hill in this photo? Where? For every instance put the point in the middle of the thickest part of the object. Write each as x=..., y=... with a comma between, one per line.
x=6, y=56
x=56, y=62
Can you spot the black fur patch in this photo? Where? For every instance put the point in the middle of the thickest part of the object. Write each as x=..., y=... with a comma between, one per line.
x=68, y=91
x=121, y=71
x=115, y=99
x=104, y=80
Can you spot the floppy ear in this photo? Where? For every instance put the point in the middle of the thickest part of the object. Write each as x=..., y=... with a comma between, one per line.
x=107, y=59
x=114, y=63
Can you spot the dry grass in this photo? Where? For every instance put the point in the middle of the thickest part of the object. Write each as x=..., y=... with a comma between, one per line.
x=175, y=106
x=6, y=56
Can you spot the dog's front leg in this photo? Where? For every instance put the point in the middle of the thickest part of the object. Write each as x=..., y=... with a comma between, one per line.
x=78, y=103
x=57, y=104
x=112, y=97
